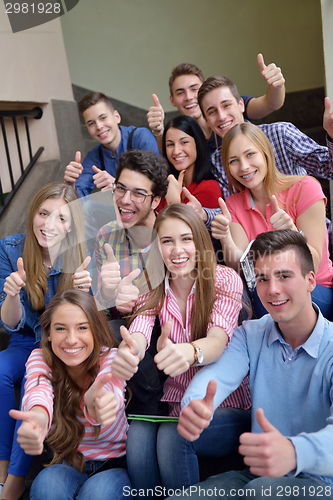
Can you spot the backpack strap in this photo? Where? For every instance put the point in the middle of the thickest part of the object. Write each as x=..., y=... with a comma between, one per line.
x=130, y=137
x=129, y=146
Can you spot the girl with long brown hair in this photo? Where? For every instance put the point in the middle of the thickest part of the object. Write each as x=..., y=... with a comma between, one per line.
x=33, y=266
x=198, y=304
x=72, y=398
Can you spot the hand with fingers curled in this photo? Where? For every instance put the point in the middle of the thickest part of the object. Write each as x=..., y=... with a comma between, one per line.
x=102, y=179
x=175, y=187
x=110, y=274
x=197, y=415
x=127, y=293
x=220, y=227
x=170, y=357
x=155, y=117
x=16, y=280
x=195, y=204
x=33, y=430
x=280, y=219
x=81, y=277
x=74, y=169
x=271, y=73
x=101, y=403
x=126, y=361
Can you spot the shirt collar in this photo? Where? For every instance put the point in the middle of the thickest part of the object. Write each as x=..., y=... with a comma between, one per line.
x=312, y=344
x=167, y=287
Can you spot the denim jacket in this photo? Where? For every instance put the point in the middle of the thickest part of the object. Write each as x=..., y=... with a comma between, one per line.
x=10, y=250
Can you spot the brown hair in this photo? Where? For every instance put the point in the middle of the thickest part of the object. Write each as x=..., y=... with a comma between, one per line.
x=185, y=69
x=215, y=82
x=36, y=283
x=94, y=98
x=67, y=431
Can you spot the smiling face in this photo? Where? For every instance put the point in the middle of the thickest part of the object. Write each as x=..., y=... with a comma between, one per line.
x=102, y=124
x=71, y=337
x=177, y=247
x=133, y=213
x=51, y=223
x=282, y=289
x=221, y=110
x=181, y=149
x=185, y=95
x=246, y=163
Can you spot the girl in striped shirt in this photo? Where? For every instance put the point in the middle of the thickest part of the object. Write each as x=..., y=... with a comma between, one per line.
x=198, y=305
x=72, y=398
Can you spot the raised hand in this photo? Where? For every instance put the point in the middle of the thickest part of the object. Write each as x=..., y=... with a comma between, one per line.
x=102, y=179
x=175, y=187
x=196, y=416
x=271, y=73
x=195, y=204
x=127, y=293
x=81, y=277
x=280, y=219
x=155, y=117
x=328, y=118
x=220, y=226
x=100, y=402
x=171, y=357
x=74, y=169
x=110, y=273
x=16, y=280
x=126, y=361
x=33, y=430
x=268, y=453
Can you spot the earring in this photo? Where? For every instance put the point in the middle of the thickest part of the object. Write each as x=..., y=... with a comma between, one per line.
x=69, y=230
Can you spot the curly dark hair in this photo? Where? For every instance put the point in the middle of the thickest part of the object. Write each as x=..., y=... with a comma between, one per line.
x=149, y=164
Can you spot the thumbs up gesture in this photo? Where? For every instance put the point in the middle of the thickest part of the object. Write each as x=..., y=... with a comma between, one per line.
x=280, y=219
x=268, y=453
x=155, y=117
x=175, y=187
x=74, y=169
x=220, y=226
x=16, y=280
x=172, y=358
x=328, y=118
x=196, y=416
x=33, y=430
x=271, y=73
x=102, y=179
x=81, y=277
x=110, y=274
x=100, y=402
x=126, y=361
x=127, y=293
x=195, y=204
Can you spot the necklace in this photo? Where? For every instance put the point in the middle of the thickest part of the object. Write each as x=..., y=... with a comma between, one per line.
x=49, y=267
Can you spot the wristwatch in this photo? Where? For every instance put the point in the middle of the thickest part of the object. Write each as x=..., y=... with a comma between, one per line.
x=198, y=355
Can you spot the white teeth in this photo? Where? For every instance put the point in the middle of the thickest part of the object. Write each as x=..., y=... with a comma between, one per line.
x=279, y=302
x=48, y=235
x=73, y=351
x=226, y=125
x=248, y=175
x=191, y=106
x=126, y=211
x=179, y=261
x=103, y=134
x=180, y=158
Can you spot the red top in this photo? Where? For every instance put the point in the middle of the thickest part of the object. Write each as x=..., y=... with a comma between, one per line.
x=207, y=192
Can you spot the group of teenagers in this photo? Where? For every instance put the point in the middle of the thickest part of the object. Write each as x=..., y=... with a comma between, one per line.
x=207, y=184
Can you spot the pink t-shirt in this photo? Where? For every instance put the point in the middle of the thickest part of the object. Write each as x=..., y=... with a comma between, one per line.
x=294, y=200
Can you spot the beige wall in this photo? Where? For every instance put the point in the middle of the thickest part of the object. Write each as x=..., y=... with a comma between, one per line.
x=34, y=70
x=127, y=48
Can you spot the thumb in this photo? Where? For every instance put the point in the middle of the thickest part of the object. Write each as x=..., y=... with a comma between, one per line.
x=188, y=195
x=260, y=61
x=84, y=264
x=78, y=157
x=274, y=203
x=224, y=208
x=155, y=100
x=131, y=276
x=109, y=252
x=263, y=422
x=27, y=416
x=210, y=393
x=165, y=334
x=95, y=169
x=20, y=268
x=100, y=383
x=327, y=102
x=181, y=177
x=126, y=336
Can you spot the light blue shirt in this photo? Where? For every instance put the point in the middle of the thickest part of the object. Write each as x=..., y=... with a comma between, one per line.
x=294, y=388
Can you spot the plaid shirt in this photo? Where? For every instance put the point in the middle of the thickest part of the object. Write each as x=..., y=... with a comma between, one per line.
x=295, y=154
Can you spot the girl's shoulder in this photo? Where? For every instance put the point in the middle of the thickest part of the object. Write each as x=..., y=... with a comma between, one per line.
x=13, y=241
x=226, y=275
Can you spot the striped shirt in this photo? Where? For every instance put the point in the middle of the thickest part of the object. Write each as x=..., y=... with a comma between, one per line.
x=224, y=314
x=111, y=440
x=295, y=154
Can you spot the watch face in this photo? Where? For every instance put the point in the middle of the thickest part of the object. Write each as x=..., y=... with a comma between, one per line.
x=200, y=356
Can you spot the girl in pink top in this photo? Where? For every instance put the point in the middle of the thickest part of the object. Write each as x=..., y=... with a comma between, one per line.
x=262, y=199
x=72, y=398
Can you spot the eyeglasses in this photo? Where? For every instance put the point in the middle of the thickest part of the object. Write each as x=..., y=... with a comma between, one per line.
x=136, y=196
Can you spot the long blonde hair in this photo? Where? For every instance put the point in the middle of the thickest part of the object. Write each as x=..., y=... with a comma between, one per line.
x=274, y=180
x=36, y=286
x=205, y=270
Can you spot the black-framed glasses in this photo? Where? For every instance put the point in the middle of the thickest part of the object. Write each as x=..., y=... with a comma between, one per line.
x=136, y=196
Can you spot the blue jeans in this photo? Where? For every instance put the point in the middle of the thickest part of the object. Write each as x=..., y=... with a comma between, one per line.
x=63, y=482
x=12, y=370
x=158, y=456
x=243, y=484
